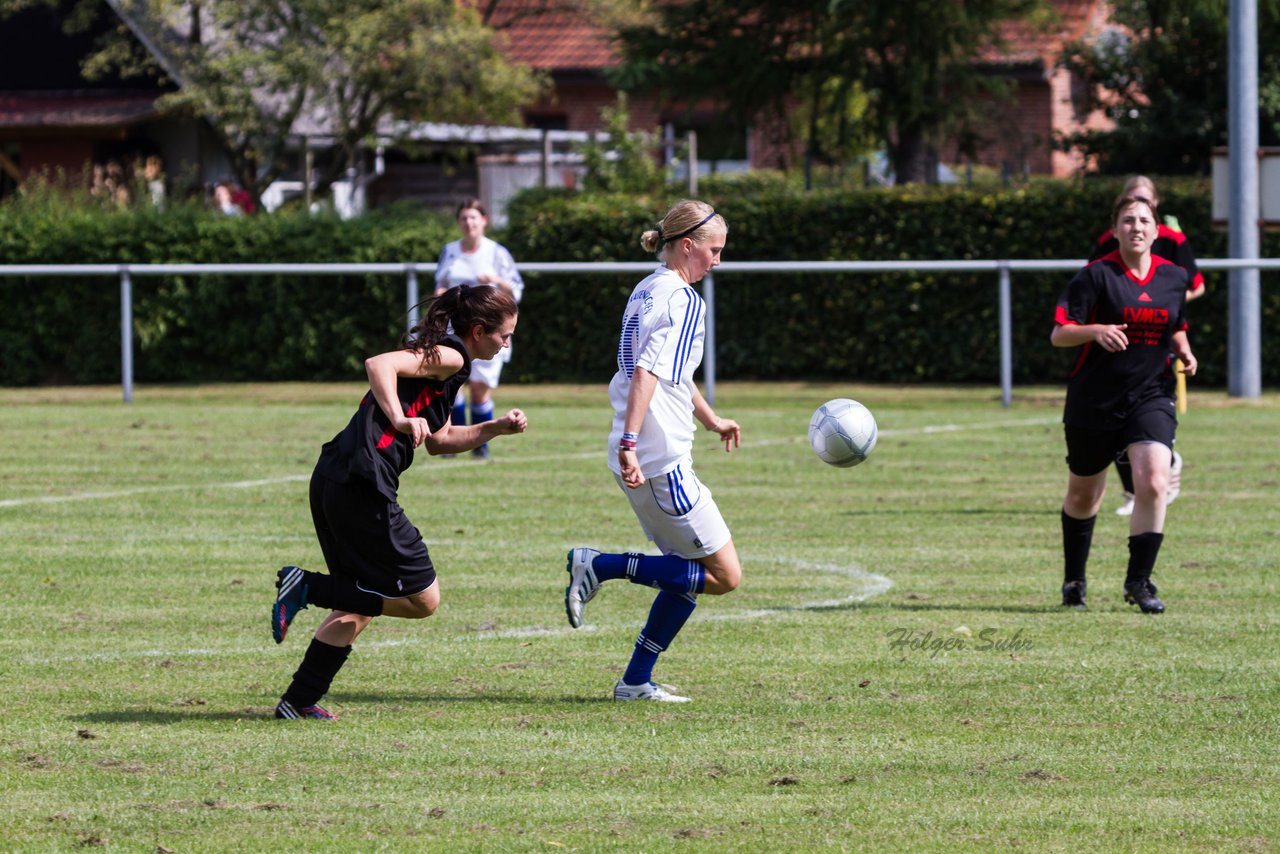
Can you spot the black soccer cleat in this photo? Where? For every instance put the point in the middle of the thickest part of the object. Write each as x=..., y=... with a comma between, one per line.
x=1143, y=594
x=1073, y=595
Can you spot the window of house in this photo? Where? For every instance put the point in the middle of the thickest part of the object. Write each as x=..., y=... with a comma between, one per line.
x=547, y=121
x=722, y=145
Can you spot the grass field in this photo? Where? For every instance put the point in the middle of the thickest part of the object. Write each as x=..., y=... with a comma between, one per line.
x=835, y=705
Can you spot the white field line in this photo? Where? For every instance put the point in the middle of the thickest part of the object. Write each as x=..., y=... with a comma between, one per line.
x=866, y=585
x=581, y=455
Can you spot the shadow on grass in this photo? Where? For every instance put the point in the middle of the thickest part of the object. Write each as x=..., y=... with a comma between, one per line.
x=959, y=511
x=876, y=605
x=266, y=712
x=496, y=696
x=172, y=716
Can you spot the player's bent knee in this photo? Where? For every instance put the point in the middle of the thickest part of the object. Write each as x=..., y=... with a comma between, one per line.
x=420, y=605
x=722, y=581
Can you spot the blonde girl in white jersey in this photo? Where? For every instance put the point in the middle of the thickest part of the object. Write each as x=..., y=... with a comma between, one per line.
x=478, y=260
x=655, y=405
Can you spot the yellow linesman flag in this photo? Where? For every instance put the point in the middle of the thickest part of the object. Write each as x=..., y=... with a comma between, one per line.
x=1180, y=379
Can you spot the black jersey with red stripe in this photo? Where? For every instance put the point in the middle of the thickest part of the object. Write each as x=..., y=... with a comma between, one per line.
x=1106, y=387
x=370, y=449
x=1170, y=244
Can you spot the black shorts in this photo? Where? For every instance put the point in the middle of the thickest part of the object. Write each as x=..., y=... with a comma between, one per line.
x=1091, y=451
x=367, y=538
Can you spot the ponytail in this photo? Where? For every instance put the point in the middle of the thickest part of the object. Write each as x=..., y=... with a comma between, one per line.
x=458, y=309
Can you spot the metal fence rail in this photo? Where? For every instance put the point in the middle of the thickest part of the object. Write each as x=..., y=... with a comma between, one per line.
x=1004, y=270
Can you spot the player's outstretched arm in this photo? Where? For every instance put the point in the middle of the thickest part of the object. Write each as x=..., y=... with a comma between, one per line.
x=730, y=432
x=459, y=438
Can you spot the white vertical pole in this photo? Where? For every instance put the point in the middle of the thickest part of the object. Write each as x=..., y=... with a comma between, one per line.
x=1244, y=305
x=126, y=333
x=709, y=341
x=546, y=159
x=411, y=294
x=693, y=164
x=1006, y=336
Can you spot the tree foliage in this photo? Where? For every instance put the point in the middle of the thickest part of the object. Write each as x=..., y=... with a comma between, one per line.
x=842, y=73
x=262, y=72
x=623, y=163
x=1161, y=75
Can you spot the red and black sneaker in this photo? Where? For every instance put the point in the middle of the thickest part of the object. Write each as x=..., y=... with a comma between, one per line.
x=291, y=599
x=287, y=711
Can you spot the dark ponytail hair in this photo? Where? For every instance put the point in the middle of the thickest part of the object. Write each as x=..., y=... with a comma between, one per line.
x=462, y=308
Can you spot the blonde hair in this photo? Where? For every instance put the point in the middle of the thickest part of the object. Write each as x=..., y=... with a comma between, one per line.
x=1141, y=187
x=687, y=218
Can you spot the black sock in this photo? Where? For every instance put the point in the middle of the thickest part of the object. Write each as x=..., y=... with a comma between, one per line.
x=341, y=594
x=311, y=682
x=1143, y=549
x=1125, y=470
x=1077, y=536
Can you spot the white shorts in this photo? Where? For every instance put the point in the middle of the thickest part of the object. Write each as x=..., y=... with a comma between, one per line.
x=676, y=511
x=487, y=371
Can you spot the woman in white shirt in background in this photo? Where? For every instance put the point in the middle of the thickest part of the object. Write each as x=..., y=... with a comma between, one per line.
x=477, y=260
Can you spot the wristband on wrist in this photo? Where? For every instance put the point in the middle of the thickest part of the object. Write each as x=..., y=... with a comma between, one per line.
x=628, y=442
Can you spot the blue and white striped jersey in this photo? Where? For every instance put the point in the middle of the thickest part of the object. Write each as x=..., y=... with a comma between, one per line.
x=662, y=331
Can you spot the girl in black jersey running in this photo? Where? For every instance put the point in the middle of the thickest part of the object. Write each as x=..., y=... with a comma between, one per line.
x=1170, y=244
x=1125, y=311
x=378, y=563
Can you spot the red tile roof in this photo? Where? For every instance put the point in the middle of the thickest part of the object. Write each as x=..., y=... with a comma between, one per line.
x=1025, y=44
x=551, y=35
x=564, y=34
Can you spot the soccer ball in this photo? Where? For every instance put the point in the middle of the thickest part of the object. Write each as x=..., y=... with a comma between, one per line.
x=842, y=432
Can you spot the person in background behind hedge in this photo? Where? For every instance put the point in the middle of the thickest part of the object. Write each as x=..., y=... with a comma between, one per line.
x=1126, y=311
x=378, y=563
x=477, y=260
x=655, y=403
x=1170, y=244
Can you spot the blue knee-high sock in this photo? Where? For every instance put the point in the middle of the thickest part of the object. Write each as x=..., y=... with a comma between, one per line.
x=666, y=572
x=481, y=412
x=666, y=618
x=459, y=415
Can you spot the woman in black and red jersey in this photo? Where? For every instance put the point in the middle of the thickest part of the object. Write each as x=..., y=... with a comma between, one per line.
x=378, y=563
x=1170, y=244
x=1125, y=311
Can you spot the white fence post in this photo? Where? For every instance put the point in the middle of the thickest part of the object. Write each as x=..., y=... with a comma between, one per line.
x=126, y=333
x=1006, y=336
x=411, y=294
x=1004, y=268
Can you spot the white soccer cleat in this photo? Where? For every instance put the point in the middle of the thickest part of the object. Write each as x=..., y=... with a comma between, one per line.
x=582, y=583
x=1175, y=480
x=1126, y=509
x=647, y=691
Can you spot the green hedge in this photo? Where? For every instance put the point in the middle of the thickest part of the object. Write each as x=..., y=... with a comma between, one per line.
x=200, y=328
x=892, y=328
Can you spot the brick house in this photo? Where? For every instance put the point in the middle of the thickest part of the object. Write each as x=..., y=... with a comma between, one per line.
x=1049, y=101
x=575, y=50
x=55, y=123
